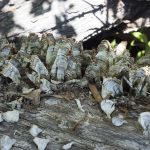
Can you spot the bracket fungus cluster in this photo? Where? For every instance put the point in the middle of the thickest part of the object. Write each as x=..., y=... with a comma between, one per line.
x=49, y=64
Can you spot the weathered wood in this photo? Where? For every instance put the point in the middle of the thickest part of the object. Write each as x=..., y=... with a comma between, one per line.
x=89, y=130
x=80, y=18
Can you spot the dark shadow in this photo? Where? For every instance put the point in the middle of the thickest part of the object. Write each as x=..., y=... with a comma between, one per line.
x=7, y=23
x=40, y=7
x=61, y=26
x=6, y=19
x=64, y=29
x=3, y=3
x=112, y=5
x=133, y=10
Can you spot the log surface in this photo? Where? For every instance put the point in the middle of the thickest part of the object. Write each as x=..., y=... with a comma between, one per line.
x=80, y=18
x=62, y=122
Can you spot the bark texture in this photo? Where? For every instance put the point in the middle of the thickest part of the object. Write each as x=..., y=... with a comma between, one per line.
x=62, y=122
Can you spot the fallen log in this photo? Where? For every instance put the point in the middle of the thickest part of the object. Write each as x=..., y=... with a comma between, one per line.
x=62, y=122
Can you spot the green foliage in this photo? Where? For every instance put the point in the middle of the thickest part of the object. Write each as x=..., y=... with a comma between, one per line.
x=142, y=38
x=141, y=53
x=113, y=43
x=149, y=43
x=132, y=43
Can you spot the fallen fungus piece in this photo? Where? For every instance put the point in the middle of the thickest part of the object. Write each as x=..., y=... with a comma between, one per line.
x=95, y=92
x=41, y=143
x=6, y=142
x=35, y=130
x=118, y=120
x=111, y=87
x=144, y=120
x=11, y=72
x=11, y=116
x=79, y=105
x=68, y=145
x=107, y=106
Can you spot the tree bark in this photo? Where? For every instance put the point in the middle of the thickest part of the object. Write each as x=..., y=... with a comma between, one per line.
x=62, y=122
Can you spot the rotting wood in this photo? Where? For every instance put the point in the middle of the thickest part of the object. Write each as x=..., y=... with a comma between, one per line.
x=62, y=122
x=96, y=133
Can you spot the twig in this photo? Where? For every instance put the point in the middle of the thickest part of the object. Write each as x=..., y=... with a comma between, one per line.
x=95, y=92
